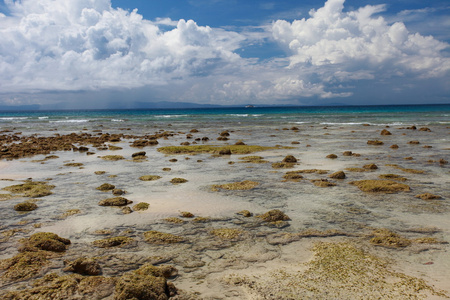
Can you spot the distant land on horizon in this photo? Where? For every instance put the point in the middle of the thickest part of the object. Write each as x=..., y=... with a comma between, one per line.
x=170, y=105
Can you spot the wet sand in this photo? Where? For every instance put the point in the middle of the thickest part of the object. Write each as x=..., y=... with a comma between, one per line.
x=329, y=228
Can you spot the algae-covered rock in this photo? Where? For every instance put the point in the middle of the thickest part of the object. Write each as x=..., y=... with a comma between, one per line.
x=73, y=165
x=392, y=177
x=156, y=237
x=375, y=143
x=83, y=266
x=112, y=157
x=178, y=180
x=23, y=265
x=242, y=185
x=381, y=186
x=45, y=241
x=370, y=167
x=116, y=201
x=323, y=183
x=144, y=283
x=106, y=187
x=282, y=165
x=338, y=175
x=245, y=213
x=387, y=238
x=292, y=176
x=149, y=177
x=141, y=206
x=428, y=196
x=332, y=156
x=32, y=189
x=116, y=241
x=186, y=214
x=73, y=286
x=273, y=216
x=227, y=233
x=126, y=210
x=118, y=192
x=289, y=159
x=174, y=220
x=25, y=206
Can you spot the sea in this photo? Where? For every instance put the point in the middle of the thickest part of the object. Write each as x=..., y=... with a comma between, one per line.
x=386, y=114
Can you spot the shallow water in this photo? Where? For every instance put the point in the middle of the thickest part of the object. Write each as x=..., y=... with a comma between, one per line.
x=203, y=260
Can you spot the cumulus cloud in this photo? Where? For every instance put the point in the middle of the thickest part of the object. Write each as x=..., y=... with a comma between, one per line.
x=360, y=40
x=87, y=44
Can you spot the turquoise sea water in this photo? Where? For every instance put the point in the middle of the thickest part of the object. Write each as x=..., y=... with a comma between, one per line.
x=389, y=115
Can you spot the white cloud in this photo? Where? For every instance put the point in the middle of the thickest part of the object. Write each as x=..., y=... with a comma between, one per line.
x=360, y=40
x=73, y=44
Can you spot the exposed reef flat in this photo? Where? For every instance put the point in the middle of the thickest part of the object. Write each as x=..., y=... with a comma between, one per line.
x=233, y=211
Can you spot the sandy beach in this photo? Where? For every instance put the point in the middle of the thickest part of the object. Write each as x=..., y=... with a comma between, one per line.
x=268, y=212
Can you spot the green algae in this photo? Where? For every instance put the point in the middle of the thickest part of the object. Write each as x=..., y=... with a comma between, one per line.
x=149, y=177
x=274, y=215
x=227, y=233
x=194, y=149
x=381, y=186
x=141, y=206
x=25, y=206
x=386, y=238
x=160, y=238
x=117, y=241
x=32, y=189
x=234, y=186
x=24, y=265
x=47, y=241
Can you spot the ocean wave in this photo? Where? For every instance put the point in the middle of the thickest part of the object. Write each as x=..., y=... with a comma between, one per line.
x=70, y=121
x=43, y=118
x=170, y=116
x=117, y=120
x=13, y=118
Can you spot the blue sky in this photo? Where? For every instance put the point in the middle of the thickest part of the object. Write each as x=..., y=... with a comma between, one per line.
x=98, y=53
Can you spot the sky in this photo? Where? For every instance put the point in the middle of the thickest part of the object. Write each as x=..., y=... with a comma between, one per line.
x=119, y=53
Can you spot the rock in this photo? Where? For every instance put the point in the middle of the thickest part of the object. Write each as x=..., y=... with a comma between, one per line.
x=106, y=187
x=126, y=210
x=45, y=241
x=332, y=156
x=225, y=151
x=385, y=132
x=338, y=175
x=347, y=153
x=322, y=183
x=381, y=186
x=245, y=213
x=375, y=143
x=387, y=238
x=138, y=154
x=141, y=206
x=428, y=196
x=395, y=146
x=178, y=180
x=160, y=238
x=149, y=177
x=116, y=201
x=83, y=266
x=143, y=283
x=370, y=167
x=273, y=216
x=289, y=159
x=116, y=241
x=118, y=192
x=25, y=206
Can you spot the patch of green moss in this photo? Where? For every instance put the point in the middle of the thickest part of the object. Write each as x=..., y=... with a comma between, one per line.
x=381, y=186
x=117, y=241
x=149, y=177
x=156, y=237
x=242, y=185
x=32, y=189
x=193, y=149
x=141, y=206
